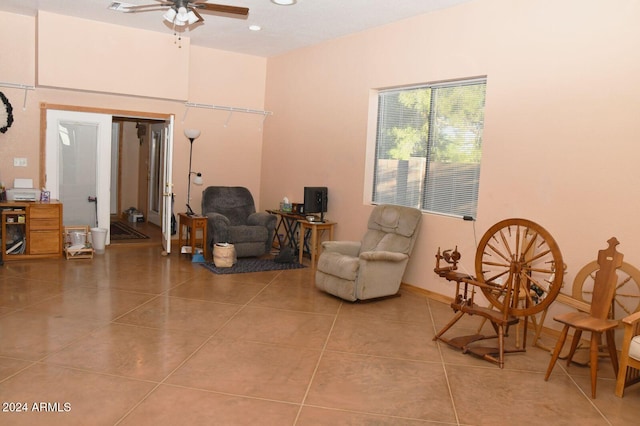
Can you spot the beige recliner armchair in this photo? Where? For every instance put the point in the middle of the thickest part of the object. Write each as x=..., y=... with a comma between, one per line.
x=373, y=267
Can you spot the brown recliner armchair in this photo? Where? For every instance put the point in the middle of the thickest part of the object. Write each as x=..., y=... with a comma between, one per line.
x=373, y=267
x=232, y=218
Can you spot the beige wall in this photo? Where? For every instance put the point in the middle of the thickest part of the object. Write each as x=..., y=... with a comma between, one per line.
x=110, y=58
x=225, y=155
x=561, y=141
x=561, y=134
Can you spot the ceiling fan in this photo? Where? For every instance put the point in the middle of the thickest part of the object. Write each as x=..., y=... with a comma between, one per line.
x=185, y=12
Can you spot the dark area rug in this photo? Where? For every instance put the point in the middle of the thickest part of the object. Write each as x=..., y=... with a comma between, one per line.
x=122, y=231
x=249, y=264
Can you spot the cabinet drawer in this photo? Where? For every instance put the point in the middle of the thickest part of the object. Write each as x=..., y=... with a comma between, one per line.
x=48, y=223
x=44, y=211
x=45, y=242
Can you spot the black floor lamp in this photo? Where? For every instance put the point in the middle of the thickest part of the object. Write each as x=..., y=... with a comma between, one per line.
x=192, y=134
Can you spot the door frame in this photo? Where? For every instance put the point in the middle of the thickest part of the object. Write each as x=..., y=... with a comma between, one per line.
x=168, y=118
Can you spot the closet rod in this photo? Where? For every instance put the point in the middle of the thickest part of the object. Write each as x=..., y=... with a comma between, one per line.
x=21, y=87
x=228, y=108
x=16, y=86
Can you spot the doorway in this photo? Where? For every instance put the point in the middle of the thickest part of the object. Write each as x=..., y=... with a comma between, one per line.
x=93, y=128
x=137, y=165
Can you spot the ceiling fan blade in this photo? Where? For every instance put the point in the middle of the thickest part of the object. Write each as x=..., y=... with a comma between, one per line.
x=210, y=7
x=148, y=7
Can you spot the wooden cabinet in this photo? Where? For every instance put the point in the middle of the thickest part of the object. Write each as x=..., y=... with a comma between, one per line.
x=31, y=229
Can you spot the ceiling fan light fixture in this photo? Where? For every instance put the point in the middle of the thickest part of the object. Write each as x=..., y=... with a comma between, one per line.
x=182, y=17
x=170, y=15
x=191, y=18
x=283, y=2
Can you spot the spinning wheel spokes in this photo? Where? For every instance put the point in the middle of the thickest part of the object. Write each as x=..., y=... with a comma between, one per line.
x=521, y=257
x=627, y=297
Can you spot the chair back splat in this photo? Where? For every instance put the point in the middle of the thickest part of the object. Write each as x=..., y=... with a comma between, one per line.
x=597, y=321
x=604, y=287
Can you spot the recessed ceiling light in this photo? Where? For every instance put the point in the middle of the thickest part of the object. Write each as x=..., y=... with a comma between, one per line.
x=255, y=27
x=284, y=2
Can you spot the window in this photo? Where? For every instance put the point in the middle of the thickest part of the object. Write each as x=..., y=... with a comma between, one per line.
x=429, y=147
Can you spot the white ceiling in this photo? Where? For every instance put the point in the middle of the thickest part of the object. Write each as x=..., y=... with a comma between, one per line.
x=284, y=28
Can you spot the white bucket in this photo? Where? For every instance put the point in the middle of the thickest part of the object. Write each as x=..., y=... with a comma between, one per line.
x=78, y=238
x=98, y=239
x=224, y=255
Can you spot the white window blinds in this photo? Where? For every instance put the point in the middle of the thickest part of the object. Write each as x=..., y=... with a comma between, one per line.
x=429, y=146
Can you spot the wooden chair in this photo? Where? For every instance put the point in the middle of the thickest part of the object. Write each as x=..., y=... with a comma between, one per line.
x=629, y=371
x=596, y=321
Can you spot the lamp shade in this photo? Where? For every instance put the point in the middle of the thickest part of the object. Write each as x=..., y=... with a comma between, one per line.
x=192, y=133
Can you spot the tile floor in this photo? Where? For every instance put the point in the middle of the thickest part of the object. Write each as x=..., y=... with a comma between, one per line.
x=134, y=338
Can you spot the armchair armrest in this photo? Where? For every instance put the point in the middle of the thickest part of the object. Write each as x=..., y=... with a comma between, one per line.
x=347, y=248
x=387, y=256
x=262, y=219
x=218, y=219
x=217, y=227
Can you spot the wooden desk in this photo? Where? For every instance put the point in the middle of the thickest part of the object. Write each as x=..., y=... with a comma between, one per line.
x=193, y=223
x=307, y=227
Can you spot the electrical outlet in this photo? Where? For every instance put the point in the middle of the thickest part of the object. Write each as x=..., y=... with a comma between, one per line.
x=19, y=162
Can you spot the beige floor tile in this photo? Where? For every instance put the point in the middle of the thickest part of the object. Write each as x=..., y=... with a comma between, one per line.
x=297, y=295
x=521, y=395
x=76, y=397
x=10, y=366
x=53, y=271
x=91, y=303
x=384, y=386
x=134, y=281
x=169, y=405
x=258, y=370
x=5, y=310
x=313, y=416
x=222, y=289
x=409, y=307
x=21, y=292
x=137, y=352
x=174, y=313
x=266, y=325
x=371, y=335
x=33, y=335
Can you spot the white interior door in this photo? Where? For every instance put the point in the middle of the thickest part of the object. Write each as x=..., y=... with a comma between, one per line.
x=78, y=166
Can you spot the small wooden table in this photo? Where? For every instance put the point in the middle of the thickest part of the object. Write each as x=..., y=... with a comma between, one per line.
x=193, y=223
x=313, y=228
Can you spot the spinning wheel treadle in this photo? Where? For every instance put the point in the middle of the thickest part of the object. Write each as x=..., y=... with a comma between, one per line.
x=516, y=265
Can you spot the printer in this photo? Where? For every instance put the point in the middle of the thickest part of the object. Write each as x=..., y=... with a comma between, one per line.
x=23, y=190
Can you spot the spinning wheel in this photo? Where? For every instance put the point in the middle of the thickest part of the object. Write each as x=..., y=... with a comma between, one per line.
x=519, y=269
x=627, y=297
x=517, y=260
